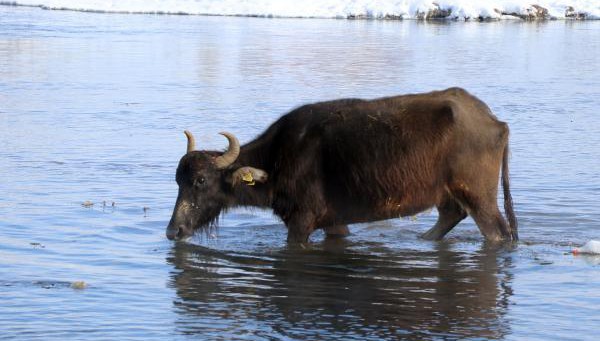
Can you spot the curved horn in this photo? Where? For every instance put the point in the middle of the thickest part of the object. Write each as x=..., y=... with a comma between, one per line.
x=231, y=154
x=191, y=146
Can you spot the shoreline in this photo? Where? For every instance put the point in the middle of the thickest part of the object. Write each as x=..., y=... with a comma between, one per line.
x=533, y=13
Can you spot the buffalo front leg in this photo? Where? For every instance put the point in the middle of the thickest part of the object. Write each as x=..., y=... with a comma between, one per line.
x=450, y=213
x=300, y=226
x=337, y=231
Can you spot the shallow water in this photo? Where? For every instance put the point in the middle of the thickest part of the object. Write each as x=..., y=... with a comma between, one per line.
x=92, y=108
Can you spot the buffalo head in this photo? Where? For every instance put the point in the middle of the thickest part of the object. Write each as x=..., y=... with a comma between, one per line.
x=206, y=181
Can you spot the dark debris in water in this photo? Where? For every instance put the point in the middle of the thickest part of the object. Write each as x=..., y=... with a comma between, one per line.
x=105, y=204
x=51, y=284
x=37, y=245
x=78, y=285
x=543, y=261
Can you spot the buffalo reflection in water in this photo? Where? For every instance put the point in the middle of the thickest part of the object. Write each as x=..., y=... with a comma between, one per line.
x=332, y=291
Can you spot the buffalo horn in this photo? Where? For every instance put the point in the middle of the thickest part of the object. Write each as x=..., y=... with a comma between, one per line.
x=191, y=146
x=231, y=154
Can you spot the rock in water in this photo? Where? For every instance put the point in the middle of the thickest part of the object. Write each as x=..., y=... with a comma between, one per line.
x=592, y=248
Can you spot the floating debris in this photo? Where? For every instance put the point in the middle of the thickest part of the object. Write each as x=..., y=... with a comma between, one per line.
x=87, y=203
x=79, y=285
x=541, y=261
x=50, y=284
x=591, y=248
x=37, y=245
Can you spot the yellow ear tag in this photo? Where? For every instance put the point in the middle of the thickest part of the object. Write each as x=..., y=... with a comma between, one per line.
x=248, y=179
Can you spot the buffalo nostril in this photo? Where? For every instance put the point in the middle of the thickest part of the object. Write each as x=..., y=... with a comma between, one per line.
x=180, y=232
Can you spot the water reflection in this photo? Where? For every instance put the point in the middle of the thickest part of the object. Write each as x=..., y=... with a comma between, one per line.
x=335, y=291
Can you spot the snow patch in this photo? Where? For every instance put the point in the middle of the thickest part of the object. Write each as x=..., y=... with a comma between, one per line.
x=375, y=9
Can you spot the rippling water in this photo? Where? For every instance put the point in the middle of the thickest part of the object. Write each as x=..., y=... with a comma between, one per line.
x=92, y=109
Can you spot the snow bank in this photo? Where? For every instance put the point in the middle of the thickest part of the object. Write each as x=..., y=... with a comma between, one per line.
x=379, y=9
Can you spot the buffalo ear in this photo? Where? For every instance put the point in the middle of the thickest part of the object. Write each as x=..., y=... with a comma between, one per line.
x=249, y=176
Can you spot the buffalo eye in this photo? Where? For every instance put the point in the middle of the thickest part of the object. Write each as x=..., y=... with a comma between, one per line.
x=199, y=181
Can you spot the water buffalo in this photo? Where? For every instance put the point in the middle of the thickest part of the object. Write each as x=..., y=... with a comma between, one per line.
x=329, y=164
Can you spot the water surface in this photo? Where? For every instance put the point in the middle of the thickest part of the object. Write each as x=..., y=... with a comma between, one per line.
x=92, y=108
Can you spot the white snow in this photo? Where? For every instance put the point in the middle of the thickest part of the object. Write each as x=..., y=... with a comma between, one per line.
x=406, y=9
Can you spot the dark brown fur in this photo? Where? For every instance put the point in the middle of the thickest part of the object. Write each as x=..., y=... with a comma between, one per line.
x=348, y=161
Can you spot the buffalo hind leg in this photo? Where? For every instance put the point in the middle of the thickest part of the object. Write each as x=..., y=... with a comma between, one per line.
x=337, y=231
x=491, y=223
x=450, y=213
x=487, y=216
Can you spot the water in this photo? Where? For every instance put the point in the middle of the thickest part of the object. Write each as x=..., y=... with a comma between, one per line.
x=93, y=106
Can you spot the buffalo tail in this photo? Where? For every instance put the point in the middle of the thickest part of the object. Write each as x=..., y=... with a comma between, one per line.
x=508, y=202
